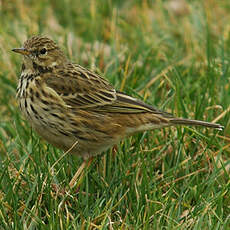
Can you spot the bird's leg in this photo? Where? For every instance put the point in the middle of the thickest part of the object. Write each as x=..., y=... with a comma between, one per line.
x=86, y=163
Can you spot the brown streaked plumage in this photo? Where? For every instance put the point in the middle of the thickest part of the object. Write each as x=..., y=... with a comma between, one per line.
x=66, y=103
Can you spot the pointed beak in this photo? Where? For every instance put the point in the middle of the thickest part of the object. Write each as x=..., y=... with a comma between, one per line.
x=22, y=51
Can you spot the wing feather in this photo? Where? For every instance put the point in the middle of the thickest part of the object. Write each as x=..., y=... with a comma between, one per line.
x=127, y=104
x=81, y=89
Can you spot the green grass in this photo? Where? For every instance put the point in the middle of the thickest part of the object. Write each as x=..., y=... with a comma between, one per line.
x=173, y=178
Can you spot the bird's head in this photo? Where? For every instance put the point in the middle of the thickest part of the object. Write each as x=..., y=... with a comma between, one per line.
x=42, y=52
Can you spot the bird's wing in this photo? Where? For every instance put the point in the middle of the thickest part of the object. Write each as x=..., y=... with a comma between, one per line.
x=127, y=104
x=82, y=89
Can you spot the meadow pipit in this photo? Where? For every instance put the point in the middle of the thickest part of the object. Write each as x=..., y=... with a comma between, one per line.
x=68, y=104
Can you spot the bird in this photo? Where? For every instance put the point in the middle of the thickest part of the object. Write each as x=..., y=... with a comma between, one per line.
x=77, y=110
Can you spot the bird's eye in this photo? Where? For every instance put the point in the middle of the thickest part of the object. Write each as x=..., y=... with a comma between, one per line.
x=43, y=51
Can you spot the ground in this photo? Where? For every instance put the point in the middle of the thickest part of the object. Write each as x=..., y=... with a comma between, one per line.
x=171, y=54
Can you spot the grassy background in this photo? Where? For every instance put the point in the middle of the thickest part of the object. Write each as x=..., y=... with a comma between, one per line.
x=172, y=54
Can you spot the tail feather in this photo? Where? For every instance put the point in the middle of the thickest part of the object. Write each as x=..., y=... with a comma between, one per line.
x=181, y=121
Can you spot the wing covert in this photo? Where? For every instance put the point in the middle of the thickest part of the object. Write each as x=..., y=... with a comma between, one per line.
x=80, y=88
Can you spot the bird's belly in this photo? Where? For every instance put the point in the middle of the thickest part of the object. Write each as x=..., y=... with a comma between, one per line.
x=83, y=138
x=56, y=139
x=48, y=126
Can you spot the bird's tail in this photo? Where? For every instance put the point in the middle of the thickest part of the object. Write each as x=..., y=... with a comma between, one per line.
x=182, y=121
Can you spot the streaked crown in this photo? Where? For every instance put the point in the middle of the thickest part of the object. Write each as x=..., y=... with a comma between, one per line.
x=42, y=51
